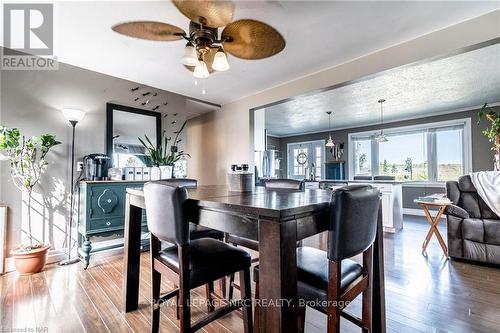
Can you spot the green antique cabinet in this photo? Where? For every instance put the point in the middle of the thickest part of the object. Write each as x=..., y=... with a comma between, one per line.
x=101, y=213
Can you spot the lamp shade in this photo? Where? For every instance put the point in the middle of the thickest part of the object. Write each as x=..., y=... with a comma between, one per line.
x=73, y=114
x=220, y=62
x=201, y=70
x=329, y=142
x=190, y=58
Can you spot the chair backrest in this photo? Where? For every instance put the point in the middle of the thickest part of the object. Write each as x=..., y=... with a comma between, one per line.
x=384, y=177
x=363, y=178
x=164, y=212
x=284, y=184
x=464, y=194
x=353, y=221
x=182, y=182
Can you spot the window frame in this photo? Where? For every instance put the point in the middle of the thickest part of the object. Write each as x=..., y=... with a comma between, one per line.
x=432, y=165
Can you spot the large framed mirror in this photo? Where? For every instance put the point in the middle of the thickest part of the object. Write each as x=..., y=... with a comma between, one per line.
x=124, y=125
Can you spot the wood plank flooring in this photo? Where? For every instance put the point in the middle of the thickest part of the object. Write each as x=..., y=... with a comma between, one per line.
x=424, y=294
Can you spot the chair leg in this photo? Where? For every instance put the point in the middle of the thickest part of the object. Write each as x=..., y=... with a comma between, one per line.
x=155, y=296
x=246, y=297
x=231, y=287
x=209, y=289
x=222, y=287
x=256, y=309
x=301, y=319
x=334, y=269
x=366, y=318
x=185, y=320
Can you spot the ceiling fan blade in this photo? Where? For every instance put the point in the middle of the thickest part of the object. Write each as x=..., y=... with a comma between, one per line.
x=250, y=39
x=212, y=13
x=209, y=60
x=150, y=30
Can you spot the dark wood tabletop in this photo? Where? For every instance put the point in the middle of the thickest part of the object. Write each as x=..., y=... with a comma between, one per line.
x=277, y=219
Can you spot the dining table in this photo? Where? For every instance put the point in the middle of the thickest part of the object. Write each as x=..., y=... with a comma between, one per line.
x=277, y=219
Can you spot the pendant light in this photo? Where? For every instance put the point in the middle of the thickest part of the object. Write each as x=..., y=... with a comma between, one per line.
x=381, y=137
x=329, y=142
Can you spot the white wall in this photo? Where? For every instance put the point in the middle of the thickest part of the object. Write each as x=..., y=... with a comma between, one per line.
x=31, y=101
x=230, y=131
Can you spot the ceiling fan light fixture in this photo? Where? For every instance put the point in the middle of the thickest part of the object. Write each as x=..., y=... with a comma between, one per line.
x=220, y=63
x=190, y=58
x=201, y=70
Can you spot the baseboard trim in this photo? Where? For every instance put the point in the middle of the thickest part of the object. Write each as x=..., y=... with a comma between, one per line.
x=416, y=212
x=52, y=257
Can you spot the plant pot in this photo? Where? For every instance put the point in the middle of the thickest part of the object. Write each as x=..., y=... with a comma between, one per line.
x=30, y=262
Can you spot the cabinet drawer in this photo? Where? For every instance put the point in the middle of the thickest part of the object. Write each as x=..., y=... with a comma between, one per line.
x=106, y=223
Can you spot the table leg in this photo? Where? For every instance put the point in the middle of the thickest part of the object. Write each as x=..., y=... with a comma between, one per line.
x=378, y=305
x=278, y=276
x=131, y=256
x=434, y=221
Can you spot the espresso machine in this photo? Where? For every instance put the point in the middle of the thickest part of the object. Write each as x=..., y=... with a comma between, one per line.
x=95, y=167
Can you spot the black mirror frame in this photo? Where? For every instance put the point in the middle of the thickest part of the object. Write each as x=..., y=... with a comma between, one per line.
x=109, y=124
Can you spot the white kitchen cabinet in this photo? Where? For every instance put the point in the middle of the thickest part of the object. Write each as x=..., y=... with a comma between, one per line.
x=392, y=205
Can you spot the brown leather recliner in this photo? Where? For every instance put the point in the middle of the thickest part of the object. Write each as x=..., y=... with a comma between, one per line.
x=473, y=228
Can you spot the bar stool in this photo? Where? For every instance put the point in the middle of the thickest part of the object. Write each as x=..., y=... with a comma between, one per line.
x=329, y=281
x=190, y=263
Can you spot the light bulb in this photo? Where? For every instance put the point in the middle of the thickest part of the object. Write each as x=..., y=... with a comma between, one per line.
x=73, y=114
x=220, y=61
x=201, y=70
x=190, y=57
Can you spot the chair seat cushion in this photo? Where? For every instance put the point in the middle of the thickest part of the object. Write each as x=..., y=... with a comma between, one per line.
x=312, y=274
x=312, y=268
x=198, y=231
x=209, y=260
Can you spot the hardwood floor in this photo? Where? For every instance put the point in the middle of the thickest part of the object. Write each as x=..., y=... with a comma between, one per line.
x=423, y=293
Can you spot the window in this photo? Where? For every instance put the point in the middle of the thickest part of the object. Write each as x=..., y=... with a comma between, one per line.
x=363, y=156
x=434, y=152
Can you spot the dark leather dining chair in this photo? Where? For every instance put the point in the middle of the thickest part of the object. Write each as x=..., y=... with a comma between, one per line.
x=370, y=178
x=284, y=184
x=192, y=263
x=196, y=231
x=329, y=277
x=270, y=184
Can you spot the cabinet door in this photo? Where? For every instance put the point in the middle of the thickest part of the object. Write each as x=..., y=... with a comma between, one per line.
x=386, y=211
x=106, y=201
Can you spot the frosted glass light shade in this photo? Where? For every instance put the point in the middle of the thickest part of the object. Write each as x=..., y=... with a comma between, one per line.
x=201, y=70
x=220, y=62
x=73, y=114
x=330, y=143
x=190, y=58
x=381, y=137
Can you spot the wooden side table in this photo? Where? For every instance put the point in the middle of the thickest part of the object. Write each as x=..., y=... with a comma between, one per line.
x=433, y=221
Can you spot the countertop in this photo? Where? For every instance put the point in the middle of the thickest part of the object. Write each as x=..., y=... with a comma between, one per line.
x=345, y=181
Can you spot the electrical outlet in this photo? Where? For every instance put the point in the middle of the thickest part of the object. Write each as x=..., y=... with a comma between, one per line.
x=79, y=166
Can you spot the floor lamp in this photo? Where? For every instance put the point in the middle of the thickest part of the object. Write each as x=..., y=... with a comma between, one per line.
x=73, y=116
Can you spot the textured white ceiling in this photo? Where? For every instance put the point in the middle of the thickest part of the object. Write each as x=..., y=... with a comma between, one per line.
x=319, y=34
x=462, y=81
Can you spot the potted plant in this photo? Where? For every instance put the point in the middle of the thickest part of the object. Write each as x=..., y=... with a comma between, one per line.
x=168, y=152
x=493, y=132
x=27, y=163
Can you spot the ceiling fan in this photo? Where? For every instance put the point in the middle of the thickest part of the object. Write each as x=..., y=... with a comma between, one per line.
x=205, y=51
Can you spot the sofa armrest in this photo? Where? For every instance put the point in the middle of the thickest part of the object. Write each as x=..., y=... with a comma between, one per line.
x=457, y=211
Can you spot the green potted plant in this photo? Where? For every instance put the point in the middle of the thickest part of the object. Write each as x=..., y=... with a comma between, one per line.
x=493, y=132
x=168, y=152
x=27, y=164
